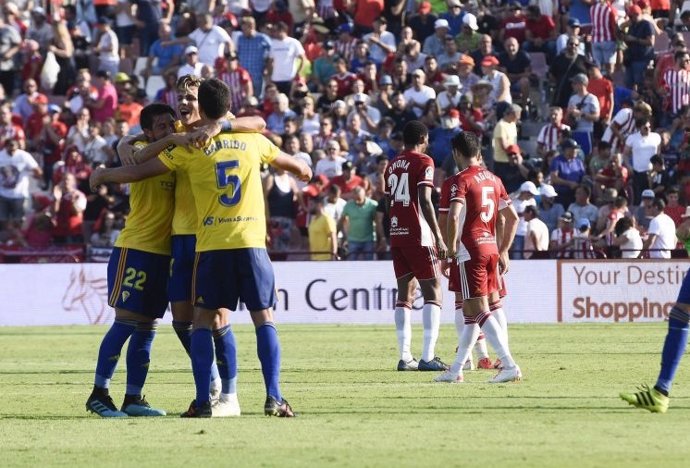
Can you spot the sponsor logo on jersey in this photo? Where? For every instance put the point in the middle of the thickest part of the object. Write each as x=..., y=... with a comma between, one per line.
x=394, y=222
x=209, y=221
x=125, y=296
x=200, y=300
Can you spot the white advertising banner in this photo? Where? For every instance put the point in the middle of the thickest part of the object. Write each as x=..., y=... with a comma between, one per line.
x=618, y=290
x=308, y=292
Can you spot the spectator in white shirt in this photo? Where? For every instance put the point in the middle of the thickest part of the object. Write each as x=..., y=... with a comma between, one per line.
x=287, y=58
x=537, y=236
x=332, y=164
x=211, y=40
x=639, y=149
x=627, y=238
x=418, y=94
x=661, y=236
x=381, y=42
x=192, y=65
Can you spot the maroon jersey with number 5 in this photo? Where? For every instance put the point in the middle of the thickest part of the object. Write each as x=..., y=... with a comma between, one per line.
x=404, y=175
x=484, y=195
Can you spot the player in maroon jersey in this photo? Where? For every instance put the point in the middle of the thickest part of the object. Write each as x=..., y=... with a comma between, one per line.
x=495, y=301
x=416, y=245
x=476, y=198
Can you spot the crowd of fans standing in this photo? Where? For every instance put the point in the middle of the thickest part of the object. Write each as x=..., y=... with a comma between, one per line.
x=583, y=107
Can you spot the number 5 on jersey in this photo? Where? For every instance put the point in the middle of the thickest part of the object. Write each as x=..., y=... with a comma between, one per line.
x=488, y=204
x=223, y=179
x=399, y=189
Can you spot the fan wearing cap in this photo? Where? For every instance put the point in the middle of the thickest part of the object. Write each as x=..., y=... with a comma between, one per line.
x=435, y=44
x=640, y=51
x=583, y=110
x=454, y=16
x=466, y=73
x=572, y=30
x=423, y=22
x=549, y=210
x=562, y=237
x=567, y=172
x=643, y=213
x=419, y=93
x=500, y=83
x=40, y=31
x=229, y=71
x=640, y=147
x=468, y=39
x=192, y=65
x=525, y=198
x=449, y=98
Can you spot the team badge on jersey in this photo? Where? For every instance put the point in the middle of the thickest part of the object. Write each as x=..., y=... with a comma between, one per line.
x=429, y=173
x=394, y=222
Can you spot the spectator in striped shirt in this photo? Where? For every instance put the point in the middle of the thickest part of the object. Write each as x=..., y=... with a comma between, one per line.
x=677, y=83
x=550, y=135
x=623, y=124
x=604, y=28
x=239, y=81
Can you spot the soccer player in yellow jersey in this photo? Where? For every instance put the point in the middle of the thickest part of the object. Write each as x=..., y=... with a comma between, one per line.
x=137, y=281
x=224, y=382
x=231, y=262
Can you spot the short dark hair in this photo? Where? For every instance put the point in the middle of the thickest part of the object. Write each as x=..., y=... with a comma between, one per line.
x=152, y=111
x=467, y=144
x=604, y=145
x=414, y=133
x=639, y=122
x=586, y=188
x=105, y=74
x=214, y=98
x=659, y=204
x=532, y=209
x=622, y=225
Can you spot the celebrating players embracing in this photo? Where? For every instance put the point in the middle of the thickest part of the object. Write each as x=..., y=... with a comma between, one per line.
x=416, y=245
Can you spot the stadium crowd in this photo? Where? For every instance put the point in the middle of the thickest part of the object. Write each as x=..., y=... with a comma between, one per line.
x=582, y=106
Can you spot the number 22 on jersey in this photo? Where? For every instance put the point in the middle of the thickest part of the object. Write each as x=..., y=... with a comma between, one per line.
x=399, y=188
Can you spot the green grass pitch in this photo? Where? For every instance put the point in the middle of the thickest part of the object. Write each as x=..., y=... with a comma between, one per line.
x=354, y=409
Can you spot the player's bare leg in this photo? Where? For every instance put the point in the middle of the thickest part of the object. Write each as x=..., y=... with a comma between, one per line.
x=407, y=286
x=268, y=350
x=431, y=317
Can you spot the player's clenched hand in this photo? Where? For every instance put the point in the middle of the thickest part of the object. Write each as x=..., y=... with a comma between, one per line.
x=201, y=137
x=181, y=139
x=503, y=263
x=441, y=250
x=305, y=174
x=96, y=178
x=445, y=267
x=125, y=151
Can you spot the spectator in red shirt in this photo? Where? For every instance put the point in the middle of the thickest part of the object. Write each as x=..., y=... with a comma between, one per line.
x=8, y=129
x=365, y=12
x=103, y=107
x=514, y=25
x=50, y=140
x=280, y=13
x=602, y=88
x=540, y=31
x=239, y=81
x=673, y=208
x=69, y=208
x=343, y=77
x=34, y=124
x=347, y=181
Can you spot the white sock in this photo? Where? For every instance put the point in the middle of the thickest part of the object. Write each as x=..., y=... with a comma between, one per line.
x=431, y=316
x=470, y=332
x=500, y=316
x=480, y=347
x=224, y=397
x=495, y=336
x=459, y=322
x=403, y=329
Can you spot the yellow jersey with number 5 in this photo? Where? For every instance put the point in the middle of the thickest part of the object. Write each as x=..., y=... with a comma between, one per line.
x=151, y=206
x=184, y=220
x=226, y=182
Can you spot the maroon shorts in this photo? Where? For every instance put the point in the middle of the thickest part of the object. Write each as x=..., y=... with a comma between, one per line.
x=476, y=277
x=420, y=261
